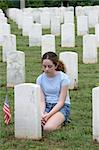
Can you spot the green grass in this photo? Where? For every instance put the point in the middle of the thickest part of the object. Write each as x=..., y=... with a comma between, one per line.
x=74, y=136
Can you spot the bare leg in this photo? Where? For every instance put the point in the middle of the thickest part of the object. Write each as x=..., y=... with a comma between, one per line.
x=54, y=122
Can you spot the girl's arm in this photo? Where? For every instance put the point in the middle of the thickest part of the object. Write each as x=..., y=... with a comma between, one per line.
x=42, y=102
x=42, y=107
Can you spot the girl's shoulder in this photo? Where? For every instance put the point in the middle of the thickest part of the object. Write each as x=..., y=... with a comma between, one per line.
x=63, y=75
x=41, y=76
x=65, y=78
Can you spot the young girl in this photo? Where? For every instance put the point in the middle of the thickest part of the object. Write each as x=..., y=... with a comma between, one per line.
x=55, y=101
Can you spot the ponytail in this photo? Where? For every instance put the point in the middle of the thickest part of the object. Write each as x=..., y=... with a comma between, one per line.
x=61, y=67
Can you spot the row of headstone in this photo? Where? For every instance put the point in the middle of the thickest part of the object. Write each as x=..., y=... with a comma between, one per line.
x=90, y=43
x=16, y=69
x=48, y=42
x=91, y=11
x=41, y=15
x=16, y=62
x=88, y=17
x=16, y=75
x=82, y=29
x=15, y=59
x=67, y=36
x=67, y=32
x=55, y=29
x=89, y=54
x=45, y=15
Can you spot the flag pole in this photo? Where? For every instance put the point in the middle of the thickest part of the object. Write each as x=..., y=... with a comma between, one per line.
x=6, y=90
x=1, y=54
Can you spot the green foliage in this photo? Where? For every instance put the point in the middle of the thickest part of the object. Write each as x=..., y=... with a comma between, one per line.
x=96, y=2
x=57, y=3
x=43, y=3
x=4, y=4
x=53, y=3
x=80, y=2
x=34, y=3
x=14, y=4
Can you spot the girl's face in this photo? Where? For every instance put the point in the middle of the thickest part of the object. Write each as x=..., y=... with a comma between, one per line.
x=48, y=67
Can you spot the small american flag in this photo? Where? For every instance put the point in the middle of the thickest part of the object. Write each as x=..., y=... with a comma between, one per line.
x=6, y=110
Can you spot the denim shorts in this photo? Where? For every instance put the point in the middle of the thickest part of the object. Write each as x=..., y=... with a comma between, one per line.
x=65, y=110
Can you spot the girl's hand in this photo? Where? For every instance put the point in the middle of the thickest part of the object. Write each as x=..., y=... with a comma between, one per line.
x=46, y=117
x=43, y=119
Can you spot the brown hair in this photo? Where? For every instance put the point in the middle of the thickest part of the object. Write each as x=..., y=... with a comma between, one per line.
x=54, y=58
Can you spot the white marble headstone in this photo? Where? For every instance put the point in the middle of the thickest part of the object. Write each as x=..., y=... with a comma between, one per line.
x=95, y=113
x=36, y=15
x=68, y=17
x=82, y=25
x=79, y=11
x=89, y=49
x=45, y=19
x=55, y=25
x=35, y=35
x=9, y=45
x=48, y=43
x=97, y=33
x=15, y=68
x=93, y=18
x=4, y=30
x=70, y=60
x=68, y=35
x=26, y=25
x=27, y=111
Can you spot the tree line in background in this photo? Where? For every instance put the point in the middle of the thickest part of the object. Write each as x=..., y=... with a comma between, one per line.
x=58, y=3
x=4, y=4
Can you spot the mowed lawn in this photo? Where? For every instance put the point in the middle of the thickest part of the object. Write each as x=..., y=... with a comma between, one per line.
x=76, y=135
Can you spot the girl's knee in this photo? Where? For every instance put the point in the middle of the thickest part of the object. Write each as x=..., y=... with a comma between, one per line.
x=48, y=127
